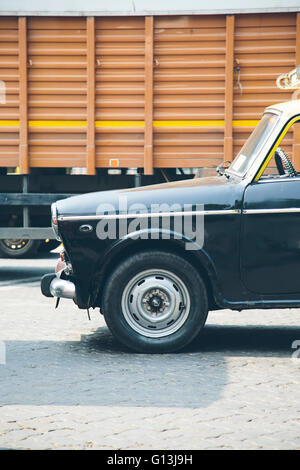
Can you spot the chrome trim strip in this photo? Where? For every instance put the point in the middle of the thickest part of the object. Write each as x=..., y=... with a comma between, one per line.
x=54, y=221
x=289, y=210
x=278, y=179
x=63, y=218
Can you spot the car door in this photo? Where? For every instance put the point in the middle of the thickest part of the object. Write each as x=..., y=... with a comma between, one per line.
x=270, y=237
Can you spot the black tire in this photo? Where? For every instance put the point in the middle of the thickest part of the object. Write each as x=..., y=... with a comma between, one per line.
x=127, y=304
x=18, y=248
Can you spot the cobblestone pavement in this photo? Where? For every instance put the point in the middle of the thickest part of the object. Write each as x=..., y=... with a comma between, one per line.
x=66, y=384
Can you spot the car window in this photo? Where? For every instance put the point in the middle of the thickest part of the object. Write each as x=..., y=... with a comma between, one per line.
x=252, y=147
x=287, y=146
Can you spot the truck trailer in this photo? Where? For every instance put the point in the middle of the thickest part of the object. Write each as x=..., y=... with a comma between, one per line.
x=100, y=98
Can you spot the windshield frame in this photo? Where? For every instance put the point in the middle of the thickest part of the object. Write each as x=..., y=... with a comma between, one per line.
x=263, y=150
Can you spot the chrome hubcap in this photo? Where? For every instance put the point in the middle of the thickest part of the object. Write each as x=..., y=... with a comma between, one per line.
x=155, y=303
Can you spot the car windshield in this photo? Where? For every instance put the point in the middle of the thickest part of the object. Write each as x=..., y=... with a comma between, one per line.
x=247, y=155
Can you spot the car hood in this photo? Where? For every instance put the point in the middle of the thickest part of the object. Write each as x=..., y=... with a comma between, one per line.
x=214, y=193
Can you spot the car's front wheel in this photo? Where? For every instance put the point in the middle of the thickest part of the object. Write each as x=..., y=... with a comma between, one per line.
x=155, y=302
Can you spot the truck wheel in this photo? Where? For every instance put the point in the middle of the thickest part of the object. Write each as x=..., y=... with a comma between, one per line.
x=155, y=302
x=10, y=248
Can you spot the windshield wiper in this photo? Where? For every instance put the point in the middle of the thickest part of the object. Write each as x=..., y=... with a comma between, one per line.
x=222, y=170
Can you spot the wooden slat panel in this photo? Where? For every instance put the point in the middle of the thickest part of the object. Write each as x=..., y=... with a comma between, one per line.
x=185, y=147
x=120, y=90
x=125, y=145
x=189, y=84
x=192, y=82
x=9, y=103
x=57, y=54
x=58, y=90
x=264, y=49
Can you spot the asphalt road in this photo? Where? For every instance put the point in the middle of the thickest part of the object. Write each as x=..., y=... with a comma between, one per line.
x=65, y=383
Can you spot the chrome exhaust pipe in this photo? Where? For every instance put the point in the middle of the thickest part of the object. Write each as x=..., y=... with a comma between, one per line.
x=62, y=288
x=53, y=286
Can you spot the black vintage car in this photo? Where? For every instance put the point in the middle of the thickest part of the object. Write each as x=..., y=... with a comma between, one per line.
x=157, y=259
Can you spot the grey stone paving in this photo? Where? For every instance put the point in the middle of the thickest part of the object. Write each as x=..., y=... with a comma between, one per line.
x=66, y=384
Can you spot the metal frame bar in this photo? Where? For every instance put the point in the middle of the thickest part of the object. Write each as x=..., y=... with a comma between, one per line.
x=34, y=233
x=30, y=199
x=26, y=214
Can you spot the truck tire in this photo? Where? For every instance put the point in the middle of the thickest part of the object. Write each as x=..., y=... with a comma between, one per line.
x=10, y=248
x=155, y=302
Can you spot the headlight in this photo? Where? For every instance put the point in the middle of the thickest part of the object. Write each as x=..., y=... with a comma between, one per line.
x=54, y=221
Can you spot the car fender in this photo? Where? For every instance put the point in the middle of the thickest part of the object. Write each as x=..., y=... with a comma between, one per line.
x=157, y=239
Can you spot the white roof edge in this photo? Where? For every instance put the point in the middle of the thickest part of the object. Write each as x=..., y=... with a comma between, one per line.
x=147, y=12
x=142, y=7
